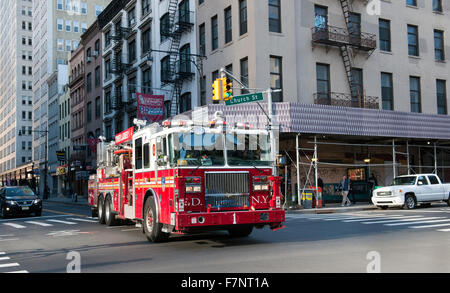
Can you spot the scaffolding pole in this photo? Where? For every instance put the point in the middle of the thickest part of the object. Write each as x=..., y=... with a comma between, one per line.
x=298, y=169
x=394, y=160
x=316, y=174
x=435, y=160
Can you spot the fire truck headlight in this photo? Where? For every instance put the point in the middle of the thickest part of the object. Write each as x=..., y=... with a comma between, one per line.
x=265, y=187
x=257, y=187
x=197, y=189
x=189, y=188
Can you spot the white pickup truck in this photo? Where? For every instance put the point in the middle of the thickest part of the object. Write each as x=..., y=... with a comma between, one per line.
x=412, y=190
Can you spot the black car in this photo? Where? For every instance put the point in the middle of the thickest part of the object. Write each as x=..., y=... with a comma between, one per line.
x=19, y=200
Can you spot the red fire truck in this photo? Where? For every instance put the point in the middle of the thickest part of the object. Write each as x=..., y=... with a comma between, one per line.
x=184, y=177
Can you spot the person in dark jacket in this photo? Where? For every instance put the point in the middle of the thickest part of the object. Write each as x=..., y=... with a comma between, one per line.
x=344, y=187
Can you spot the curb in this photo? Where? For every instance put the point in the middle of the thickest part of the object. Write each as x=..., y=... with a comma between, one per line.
x=80, y=204
x=335, y=210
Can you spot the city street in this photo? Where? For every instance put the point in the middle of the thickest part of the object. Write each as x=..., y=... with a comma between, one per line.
x=404, y=241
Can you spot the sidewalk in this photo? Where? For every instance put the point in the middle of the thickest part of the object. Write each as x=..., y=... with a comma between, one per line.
x=81, y=201
x=331, y=208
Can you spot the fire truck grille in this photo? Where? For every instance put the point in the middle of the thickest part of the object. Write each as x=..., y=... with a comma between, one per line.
x=227, y=190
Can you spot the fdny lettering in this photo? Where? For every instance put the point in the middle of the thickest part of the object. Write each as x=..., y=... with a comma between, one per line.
x=195, y=202
x=192, y=283
x=260, y=199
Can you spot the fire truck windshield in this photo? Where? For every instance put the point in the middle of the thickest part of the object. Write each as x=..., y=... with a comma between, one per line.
x=248, y=150
x=191, y=149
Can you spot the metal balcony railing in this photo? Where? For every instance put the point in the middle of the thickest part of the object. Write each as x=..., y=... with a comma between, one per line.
x=336, y=36
x=347, y=100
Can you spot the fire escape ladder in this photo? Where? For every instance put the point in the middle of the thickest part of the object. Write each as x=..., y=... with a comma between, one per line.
x=347, y=50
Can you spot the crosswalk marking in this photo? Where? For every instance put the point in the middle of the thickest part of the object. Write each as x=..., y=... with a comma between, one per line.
x=444, y=230
x=2, y=253
x=14, y=225
x=82, y=220
x=430, y=226
x=18, y=272
x=400, y=220
x=39, y=224
x=4, y=258
x=62, y=222
x=379, y=218
x=419, y=222
x=8, y=265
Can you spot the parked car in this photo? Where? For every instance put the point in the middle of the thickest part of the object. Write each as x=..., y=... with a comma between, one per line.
x=15, y=200
x=412, y=190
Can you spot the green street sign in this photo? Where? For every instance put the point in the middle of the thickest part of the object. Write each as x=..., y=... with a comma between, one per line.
x=245, y=99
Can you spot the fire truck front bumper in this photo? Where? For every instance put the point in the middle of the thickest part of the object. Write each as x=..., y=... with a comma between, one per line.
x=219, y=220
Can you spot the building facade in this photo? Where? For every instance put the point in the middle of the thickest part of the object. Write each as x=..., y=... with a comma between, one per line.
x=16, y=90
x=148, y=47
x=59, y=25
x=367, y=74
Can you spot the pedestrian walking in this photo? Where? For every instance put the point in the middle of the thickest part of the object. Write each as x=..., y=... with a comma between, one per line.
x=344, y=187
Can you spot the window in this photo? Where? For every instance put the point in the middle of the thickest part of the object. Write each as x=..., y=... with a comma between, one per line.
x=414, y=85
x=89, y=112
x=439, y=54
x=202, y=39
x=164, y=26
x=83, y=27
x=145, y=7
x=146, y=41
x=411, y=2
x=132, y=88
x=132, y=51
x=433, y=180
x=244, y=74
x=108, y=102
x=108, y=69
x=165, y=69
x=60, y=4
x=185, y=102
x=323, y=84
x=185, y=59
x=214, y=33
x=413, y=40
x=437, y=5
x=68, y=45
x=68, y=25
x=98, y=10
x=276, y=77
x=228, y=25
x=76, y=27
x=89, y=82
x=97, y=107
x=441, y=90
x=60, y=45
x=184, y=13
x=132, y=17
x=107, y=38
x=83, y=7
x=167, y=108
x=321, y=17
x=97, y=76
x=243, y=17
x=203, y=91
x=274, y=16
x=146, y=156
x=147, y=81
x=138, y=152
x=387, y=91
x=385, y=35
x=60, y=24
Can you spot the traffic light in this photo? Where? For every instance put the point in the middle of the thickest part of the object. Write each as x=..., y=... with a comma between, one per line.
x=227, y=89
x=216, y=90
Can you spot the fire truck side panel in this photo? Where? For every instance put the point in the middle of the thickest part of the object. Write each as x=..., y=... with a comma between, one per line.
x=139, y=182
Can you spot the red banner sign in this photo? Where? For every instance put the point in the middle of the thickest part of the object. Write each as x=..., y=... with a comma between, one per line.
x=150, y=107
x=125, y=136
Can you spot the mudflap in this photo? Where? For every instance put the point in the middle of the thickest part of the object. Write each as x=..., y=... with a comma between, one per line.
x=276, y=226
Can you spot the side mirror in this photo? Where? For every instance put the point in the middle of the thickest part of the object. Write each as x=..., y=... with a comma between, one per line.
x=420, y=183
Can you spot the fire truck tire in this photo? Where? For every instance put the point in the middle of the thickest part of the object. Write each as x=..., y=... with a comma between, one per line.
x=242, y=231
x=101, y=210
x=110, y=217
x=153, y=229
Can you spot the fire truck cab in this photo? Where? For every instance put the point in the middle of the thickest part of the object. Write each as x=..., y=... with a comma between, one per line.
x=185, y=177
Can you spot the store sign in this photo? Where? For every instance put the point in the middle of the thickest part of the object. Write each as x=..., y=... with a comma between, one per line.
x=61, y=170
x=125, y=136
x=61, y=156
x=150, y=107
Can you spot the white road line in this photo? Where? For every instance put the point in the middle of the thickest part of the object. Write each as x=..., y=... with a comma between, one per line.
x=430, y=226
x=32, y=218
x=62, y=222
x=2, y=253
x=4, y=258
x=380, y=218
x=401, y=220
x=39, y=223
x=444, y=230
x=17, y=272
x=355, y=218
x=82, y=220
x=17, y=226
x=8, y=265
x=11, y=239
x=419, y=222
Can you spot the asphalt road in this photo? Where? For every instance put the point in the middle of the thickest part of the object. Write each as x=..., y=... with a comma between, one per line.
x=353, y=242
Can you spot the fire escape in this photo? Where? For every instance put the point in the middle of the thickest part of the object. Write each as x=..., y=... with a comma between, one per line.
x=350, y=40
x=179, y=20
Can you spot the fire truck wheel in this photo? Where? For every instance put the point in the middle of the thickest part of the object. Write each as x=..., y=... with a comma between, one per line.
x=110, y=218
x=243, y=231
x=101, y=210
x=153, y=229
